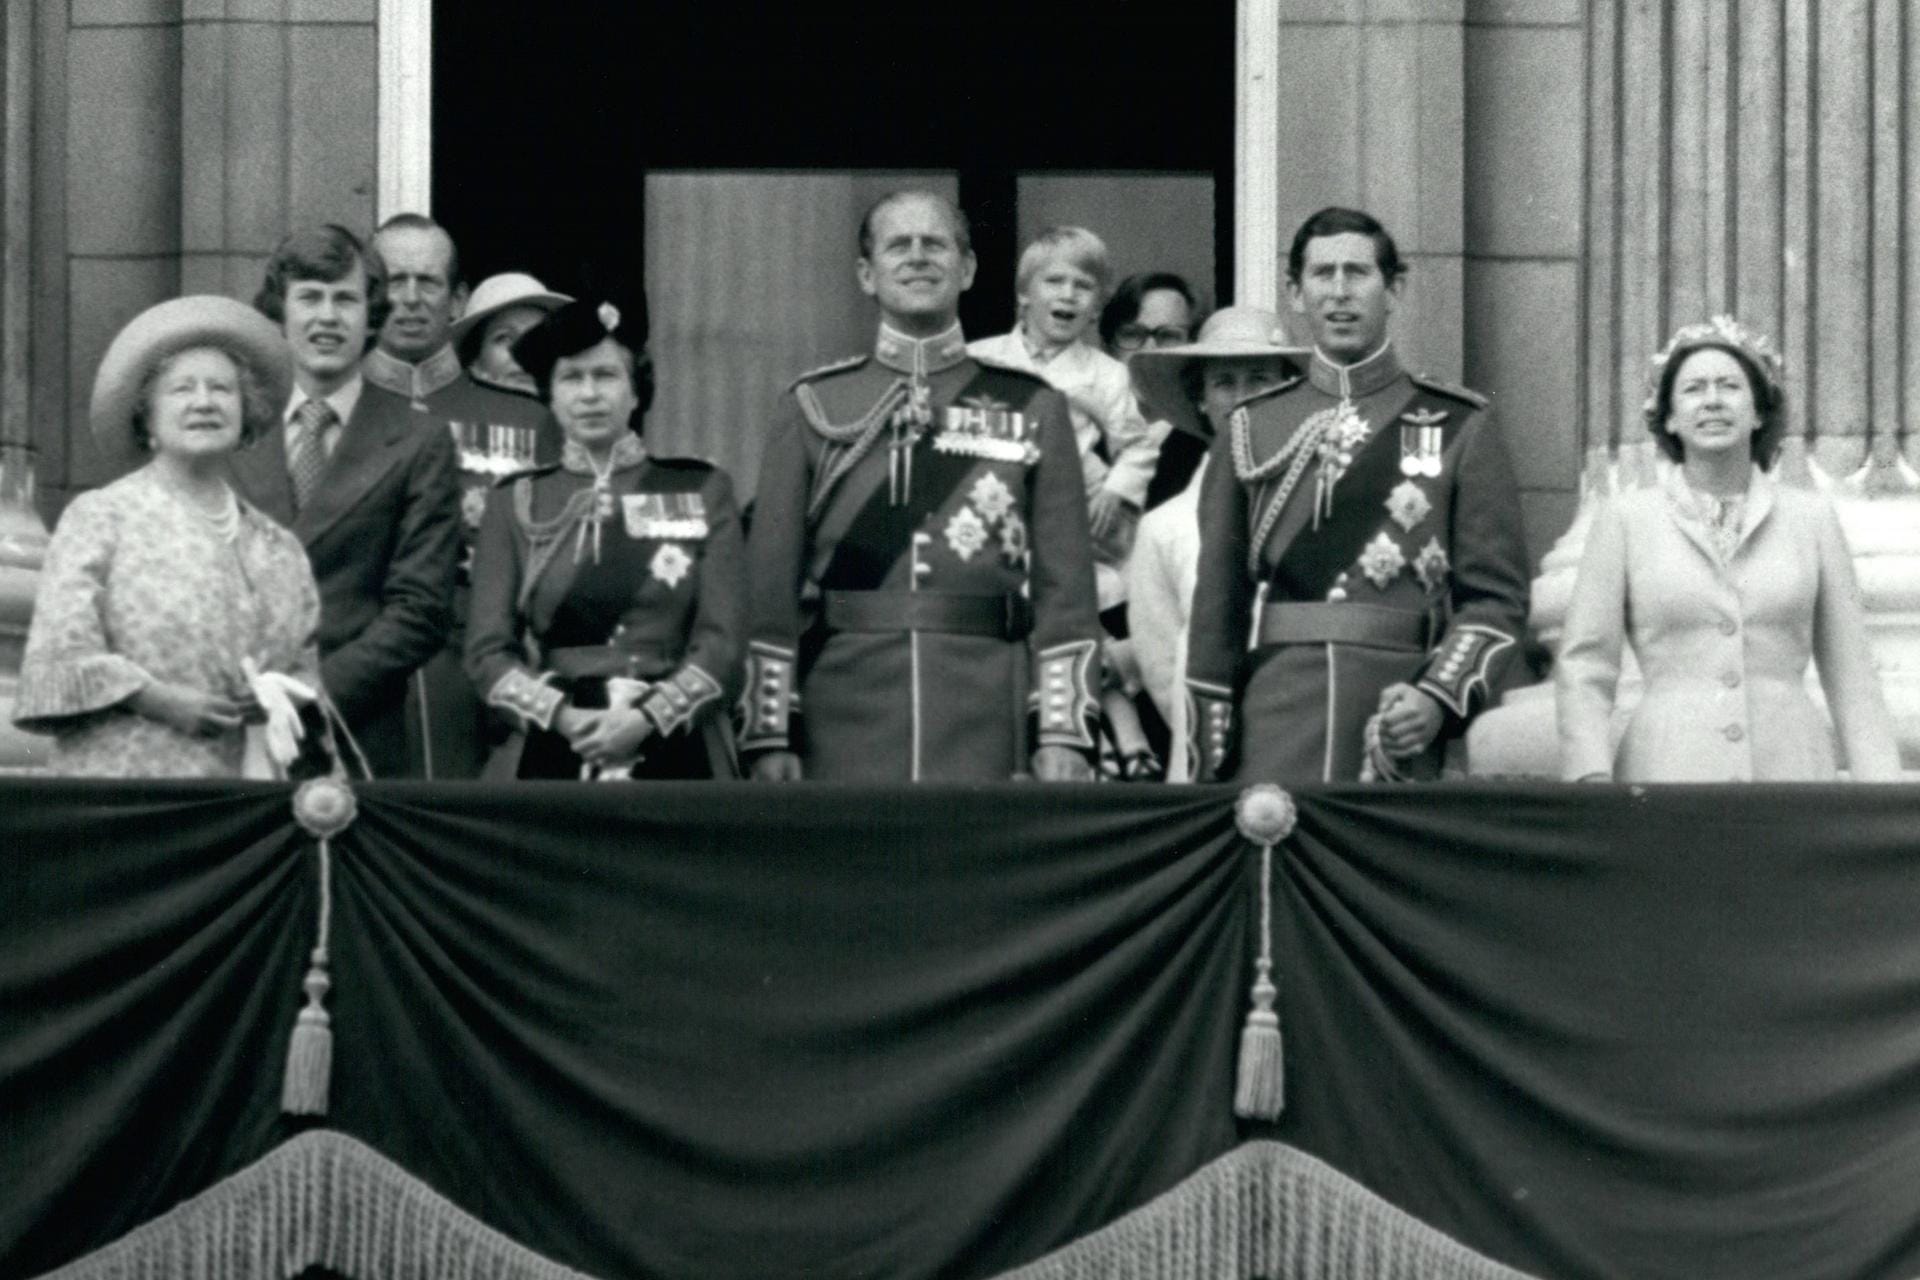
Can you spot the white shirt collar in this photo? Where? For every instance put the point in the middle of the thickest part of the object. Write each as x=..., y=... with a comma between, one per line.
x=343, y=400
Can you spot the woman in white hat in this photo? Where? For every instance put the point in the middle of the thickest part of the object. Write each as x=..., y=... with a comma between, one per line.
x=500, y=312
x=171, y=614
x=1241, y=351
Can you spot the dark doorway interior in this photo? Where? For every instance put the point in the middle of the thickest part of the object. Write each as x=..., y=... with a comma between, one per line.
x=546, y=116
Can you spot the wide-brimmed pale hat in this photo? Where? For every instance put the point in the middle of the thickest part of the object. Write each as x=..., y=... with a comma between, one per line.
x=1230, y=333
x=198, y=320
x=494, y=295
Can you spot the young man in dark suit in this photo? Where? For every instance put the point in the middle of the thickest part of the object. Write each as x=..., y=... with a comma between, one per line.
x=370, y=496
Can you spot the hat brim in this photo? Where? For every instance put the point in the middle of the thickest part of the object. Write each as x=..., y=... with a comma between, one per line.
x=1157, y=372
x=179, y=324
x=474, y=321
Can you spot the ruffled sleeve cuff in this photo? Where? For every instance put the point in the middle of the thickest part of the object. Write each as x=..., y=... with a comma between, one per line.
x=52, y=690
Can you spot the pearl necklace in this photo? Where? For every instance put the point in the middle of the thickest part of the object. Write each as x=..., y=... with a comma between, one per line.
x=224, y=524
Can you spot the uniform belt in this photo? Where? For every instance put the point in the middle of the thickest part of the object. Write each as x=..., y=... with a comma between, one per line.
x=1004, y=617
x=641, y=662
x=1331, y=623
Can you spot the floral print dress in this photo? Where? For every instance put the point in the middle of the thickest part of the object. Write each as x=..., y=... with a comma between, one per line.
x=139, y=586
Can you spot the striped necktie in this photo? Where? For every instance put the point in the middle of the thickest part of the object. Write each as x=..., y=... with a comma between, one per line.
x=307, y=448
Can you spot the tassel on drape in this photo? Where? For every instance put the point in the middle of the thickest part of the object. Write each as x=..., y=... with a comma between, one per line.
x=324, y=807
x=1265, y=815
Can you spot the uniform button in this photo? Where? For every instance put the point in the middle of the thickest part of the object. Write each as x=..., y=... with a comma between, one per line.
x=1728, y=626
x=1735, y=733
x=1731, y=679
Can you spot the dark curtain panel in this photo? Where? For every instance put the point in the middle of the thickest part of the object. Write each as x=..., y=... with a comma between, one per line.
x=723, y=1030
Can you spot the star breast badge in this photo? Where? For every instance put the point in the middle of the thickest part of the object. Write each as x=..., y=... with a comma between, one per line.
x=1431, y=565
x=991, y=497
x=670, y=563
x=1382, y=560
x=966, y=533
x=1408, y=505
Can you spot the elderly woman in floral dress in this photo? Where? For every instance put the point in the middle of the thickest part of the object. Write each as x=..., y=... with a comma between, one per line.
x=172, y=614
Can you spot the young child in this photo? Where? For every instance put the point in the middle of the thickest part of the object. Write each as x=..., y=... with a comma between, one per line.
x=1062, y=282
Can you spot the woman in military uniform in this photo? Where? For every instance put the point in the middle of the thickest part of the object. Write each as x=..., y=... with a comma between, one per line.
x=607, y=590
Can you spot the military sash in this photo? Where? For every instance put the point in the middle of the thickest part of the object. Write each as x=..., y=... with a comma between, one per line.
x=1309, y=560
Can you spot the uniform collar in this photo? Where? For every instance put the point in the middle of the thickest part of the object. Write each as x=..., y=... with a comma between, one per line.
x=414, y=381
x=1351, y=380
x=627, y=452
x=919, y=357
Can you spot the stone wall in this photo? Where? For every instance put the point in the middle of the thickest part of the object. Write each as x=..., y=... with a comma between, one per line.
x=176, y=142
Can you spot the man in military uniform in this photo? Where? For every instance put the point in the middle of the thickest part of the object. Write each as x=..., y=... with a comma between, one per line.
x=495, y=433
x=921, y=582
x=1377, y=512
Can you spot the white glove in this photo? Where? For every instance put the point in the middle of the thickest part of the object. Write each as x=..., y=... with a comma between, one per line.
x=622, y=692
x=281, y=697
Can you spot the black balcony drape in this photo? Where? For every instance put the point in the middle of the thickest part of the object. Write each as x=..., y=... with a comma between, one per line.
x=721, y=1030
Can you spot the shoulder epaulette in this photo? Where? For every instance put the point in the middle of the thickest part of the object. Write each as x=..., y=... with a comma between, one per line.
x=1269, y=392
x=1453, y=389
x=998, y=367
x=527, y=474
x=837, y=366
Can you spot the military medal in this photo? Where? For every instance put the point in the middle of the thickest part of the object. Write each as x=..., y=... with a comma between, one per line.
x=668, y=516
x=1421, y=442
x=981, y=427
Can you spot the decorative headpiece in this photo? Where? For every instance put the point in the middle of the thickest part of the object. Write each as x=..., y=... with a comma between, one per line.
x=576, y=326
x=1721, y=331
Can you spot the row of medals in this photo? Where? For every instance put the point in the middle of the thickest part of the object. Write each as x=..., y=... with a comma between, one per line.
x=493, y=448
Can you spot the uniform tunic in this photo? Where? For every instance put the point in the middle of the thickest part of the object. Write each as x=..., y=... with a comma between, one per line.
x=1378, y=513
x=495, y=433
x=1723, y=641
x=647, y=608
x=922, y=586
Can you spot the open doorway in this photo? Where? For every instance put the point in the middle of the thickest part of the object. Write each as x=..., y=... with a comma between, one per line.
x=703, y=150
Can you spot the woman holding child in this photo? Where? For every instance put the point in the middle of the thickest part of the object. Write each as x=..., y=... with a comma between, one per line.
x=1062, y=281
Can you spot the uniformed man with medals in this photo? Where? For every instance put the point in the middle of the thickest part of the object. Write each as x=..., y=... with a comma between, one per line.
x=1361, y=526
x=920, y=573
x=495, y=433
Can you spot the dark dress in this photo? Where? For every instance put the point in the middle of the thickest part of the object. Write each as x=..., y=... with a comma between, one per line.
x=640, y=605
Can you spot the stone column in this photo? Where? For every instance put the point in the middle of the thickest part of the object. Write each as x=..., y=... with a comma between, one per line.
x=1752, y=159
x=1371, y=104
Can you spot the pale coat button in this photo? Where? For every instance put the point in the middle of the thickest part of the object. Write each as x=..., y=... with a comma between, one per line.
x=1735, y=733
x=1728, y=626
x=1731, y=679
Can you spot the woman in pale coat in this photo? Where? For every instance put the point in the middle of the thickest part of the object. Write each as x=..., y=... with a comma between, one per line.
x=1725, y=583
